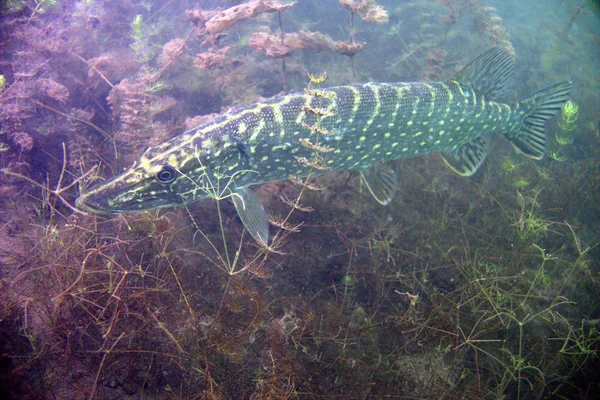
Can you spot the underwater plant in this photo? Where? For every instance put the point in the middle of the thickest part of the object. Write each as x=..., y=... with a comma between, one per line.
x=569, y=114
x=481, y=287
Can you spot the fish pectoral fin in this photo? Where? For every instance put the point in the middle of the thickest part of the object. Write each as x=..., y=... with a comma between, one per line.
x=252, y=214
x=467, y=158
x=381, y=181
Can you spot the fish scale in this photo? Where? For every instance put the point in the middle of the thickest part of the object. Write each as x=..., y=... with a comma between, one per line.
x=428, y=118
x=367, y=124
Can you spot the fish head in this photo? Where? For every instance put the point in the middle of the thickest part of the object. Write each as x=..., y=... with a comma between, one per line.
x=160, y=178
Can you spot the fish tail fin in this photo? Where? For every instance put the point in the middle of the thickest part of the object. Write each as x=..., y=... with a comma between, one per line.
x=530, y=137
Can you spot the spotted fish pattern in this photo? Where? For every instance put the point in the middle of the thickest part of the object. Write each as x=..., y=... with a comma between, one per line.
x=366, y=124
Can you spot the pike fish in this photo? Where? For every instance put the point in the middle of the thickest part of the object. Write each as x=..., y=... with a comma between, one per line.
x=343, y=128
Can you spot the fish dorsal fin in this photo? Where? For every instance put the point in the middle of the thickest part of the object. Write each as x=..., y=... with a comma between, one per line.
x=381, y=181
x=466, y=159
x=252, y=214
x=491, y=73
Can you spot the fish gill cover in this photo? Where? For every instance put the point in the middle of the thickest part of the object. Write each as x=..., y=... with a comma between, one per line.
x=443, y=287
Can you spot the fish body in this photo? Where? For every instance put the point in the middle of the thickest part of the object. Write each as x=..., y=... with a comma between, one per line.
x=353, y=127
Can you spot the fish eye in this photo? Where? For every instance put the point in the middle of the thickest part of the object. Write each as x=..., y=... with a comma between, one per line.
x=167, y=174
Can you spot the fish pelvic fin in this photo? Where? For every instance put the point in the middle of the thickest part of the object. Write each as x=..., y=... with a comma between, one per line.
x=252, y=214
x=381, y=181
x=530, y=137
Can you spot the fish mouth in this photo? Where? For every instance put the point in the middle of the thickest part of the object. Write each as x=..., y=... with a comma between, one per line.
x=87, y=204
x=111, y=197
x=101, y=203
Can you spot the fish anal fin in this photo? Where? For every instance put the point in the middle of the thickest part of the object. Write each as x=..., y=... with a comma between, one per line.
x=381, y=181
x=490, y=74
x=467, y=158
x=252, y=214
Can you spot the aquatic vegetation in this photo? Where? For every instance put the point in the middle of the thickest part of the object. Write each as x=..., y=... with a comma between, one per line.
x=41, y=7
x=481, y=287
x=556, y=156
x=528, y=224
x=569, y=115
x=564, y=140
x=367, y=10
x=217, y=22
x=508, y=165
x=272, y=46
x=137, y=27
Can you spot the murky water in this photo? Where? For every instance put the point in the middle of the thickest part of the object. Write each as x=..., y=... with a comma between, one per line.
x=461, y=287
